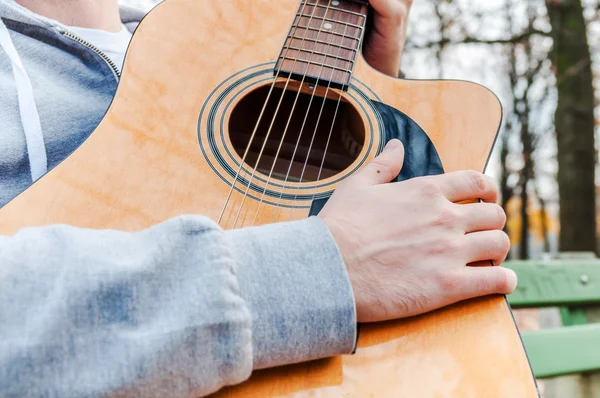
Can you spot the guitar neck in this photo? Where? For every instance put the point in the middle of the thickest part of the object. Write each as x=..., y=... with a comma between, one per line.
x=324, y=42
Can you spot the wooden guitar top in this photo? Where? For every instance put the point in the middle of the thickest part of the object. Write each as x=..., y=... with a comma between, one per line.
x=144, y=164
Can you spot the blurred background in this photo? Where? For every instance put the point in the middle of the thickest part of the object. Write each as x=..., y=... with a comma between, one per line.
x=542, y=59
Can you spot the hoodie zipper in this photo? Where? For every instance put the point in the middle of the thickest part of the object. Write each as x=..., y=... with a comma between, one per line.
x=89, y=45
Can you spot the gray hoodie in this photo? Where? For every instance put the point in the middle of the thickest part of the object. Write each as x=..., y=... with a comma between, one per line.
x=178, y=310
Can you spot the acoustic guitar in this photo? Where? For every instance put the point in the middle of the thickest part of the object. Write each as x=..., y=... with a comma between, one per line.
x=252, y=112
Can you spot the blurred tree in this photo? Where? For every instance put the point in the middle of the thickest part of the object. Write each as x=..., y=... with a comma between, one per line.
x=520, y=39
x=527, y=74
x=574, y=122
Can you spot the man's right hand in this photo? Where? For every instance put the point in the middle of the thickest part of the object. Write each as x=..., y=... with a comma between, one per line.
x=407, y=245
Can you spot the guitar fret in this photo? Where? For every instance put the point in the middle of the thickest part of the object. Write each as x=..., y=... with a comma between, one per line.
x=318, y=53
x=320, y=61
x=326, y=19
x=337, y=9
x=360, y=3
x=317, y=33
x=306, y=61
x=328, y=32
x=326, y=43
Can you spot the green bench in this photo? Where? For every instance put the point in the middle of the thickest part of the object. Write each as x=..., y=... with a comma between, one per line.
x=573, y=286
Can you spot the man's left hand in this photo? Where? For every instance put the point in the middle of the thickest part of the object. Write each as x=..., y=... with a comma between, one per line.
x=385, y=44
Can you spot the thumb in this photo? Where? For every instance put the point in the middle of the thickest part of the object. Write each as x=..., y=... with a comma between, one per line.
x=385, y=167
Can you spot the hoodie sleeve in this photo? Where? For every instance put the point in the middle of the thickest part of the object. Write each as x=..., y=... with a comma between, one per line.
x=181, y=309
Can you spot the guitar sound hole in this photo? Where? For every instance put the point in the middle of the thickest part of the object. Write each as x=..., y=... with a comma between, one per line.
x=295, y=162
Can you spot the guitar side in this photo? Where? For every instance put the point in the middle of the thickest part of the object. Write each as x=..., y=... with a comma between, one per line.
x=144, y=164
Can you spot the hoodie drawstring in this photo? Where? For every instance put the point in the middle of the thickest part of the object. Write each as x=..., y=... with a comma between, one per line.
x=30, y=119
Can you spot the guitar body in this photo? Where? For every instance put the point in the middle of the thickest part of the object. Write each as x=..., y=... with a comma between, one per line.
x=172, y=143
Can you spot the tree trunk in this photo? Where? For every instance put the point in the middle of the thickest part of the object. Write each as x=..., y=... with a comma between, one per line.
x=544, y=224
x=506, y=191
x=526, y=176
x=574, y=121
x=527, y=172
x=527, y=142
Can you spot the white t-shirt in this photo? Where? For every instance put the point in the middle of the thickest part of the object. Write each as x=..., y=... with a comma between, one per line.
x=113, y=44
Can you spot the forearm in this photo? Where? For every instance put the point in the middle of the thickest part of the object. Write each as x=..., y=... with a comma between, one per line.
x=172, y=311
x=298, y=291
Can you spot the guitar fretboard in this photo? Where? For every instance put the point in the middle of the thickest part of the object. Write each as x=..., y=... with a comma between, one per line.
x=324, y=42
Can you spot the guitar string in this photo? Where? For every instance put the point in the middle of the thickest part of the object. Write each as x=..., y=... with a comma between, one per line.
x=337, y=107
x=315, y=131
x=251, y=140
x=290, y=118
x=279, y=105
x=277, y=207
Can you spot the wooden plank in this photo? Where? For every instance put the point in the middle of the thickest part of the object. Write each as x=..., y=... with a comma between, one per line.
x=555, y=283
x=563, y=351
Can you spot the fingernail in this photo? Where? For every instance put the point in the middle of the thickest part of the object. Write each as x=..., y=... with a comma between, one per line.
x=513, y=280
x=393, y=144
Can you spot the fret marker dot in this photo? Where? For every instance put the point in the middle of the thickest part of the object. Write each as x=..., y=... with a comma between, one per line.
x=328, y=26
x=335, y=3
